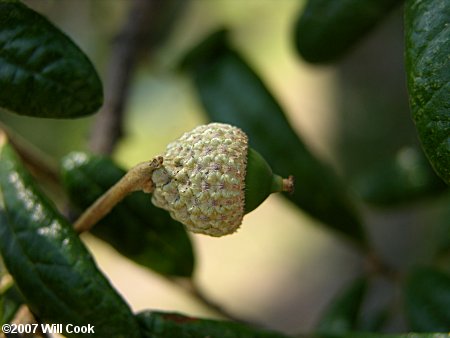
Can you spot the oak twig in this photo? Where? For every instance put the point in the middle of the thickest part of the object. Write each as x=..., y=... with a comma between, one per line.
x=148, y=23
x=137, y=178
x=108, y=126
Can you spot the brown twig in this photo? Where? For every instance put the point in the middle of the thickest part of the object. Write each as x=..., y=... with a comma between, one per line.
x=35, y=159
x=148, y=23
x=108, y=127
x=137, y=178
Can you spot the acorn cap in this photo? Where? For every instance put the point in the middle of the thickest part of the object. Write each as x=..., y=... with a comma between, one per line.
x=210, y=178
x=202, y=180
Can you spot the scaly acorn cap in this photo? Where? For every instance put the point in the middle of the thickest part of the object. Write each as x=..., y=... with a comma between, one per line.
x=210, y=178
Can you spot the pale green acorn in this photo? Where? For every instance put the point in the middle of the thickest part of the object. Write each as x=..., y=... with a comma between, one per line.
x=210, y=178
x=207, y=179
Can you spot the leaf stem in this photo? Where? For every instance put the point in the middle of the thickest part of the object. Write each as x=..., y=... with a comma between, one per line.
x=136, y=179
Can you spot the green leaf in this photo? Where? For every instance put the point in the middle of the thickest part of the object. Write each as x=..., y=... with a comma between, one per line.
x=427, y=32
x=135, y=227
x=427, y=300
x=10, y=301
x=231, y=92
x=161, y=325
x=342, y=314
x=379, y=335
x=51, y=267
x=403, y=179
x=326, y=30
x=42, y=72
x=440, y=240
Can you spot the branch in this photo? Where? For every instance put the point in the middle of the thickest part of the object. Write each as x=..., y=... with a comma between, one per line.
x=137, y=178
x=37, y=161
x=108, y=126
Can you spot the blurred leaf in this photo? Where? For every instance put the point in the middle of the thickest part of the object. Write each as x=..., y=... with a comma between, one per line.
x=427, y=300
x=326, y=29
x=42, y=72
x=406, y=178
x=51, y=267
x=378, y=335
x=342, y=314
x=10, y=301
x=441, y=238
x=135, y=227
x=161, y=325
x=232, y=93
x=428, y=74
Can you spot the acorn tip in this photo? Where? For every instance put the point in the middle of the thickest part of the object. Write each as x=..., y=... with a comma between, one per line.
x=288, y=184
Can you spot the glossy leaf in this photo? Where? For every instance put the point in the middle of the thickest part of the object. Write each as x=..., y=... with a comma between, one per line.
x=135, y=227
x=10, y=301
x=342, y=314
x=403, y=179
x=326, y=30
x=231, y=92
x=427, y=300
x=428, y=74
x=42, y=72
x=161, y=325
x=51, y=267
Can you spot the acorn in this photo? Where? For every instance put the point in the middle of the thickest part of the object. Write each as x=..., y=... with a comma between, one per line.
x=207, y=179
x=210, y=178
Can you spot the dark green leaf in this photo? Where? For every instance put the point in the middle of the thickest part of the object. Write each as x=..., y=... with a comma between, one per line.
x=232, y=93
x=10, y=301
x=405, y=178
x=427, y=300
x=162, y=325
x=135, y=227
x=440, y=240
x=428, y=69
x=326, y=29
x=42, y=72
x=342, y=314
x=51, y=267
x=378, y=335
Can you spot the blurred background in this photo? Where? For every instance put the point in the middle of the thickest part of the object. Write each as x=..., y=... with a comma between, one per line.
x=282, y=267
